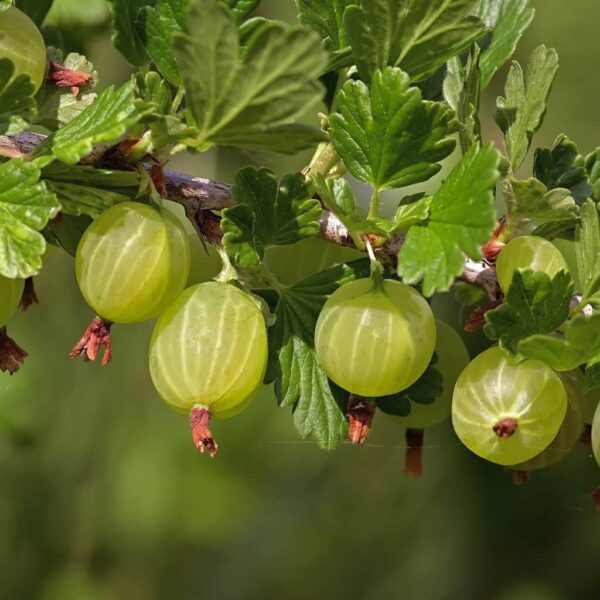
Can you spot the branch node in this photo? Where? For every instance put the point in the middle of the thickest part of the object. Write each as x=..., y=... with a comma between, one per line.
x=96, y=336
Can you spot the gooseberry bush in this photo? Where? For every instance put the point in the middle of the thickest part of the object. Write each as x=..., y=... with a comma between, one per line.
x=304, y=283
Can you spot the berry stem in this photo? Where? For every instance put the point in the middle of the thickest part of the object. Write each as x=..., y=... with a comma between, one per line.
x=360, y=416
x=413, y=461
x=11, y=354
x=505, y=427
x=595, y=496
x=96, y=336
x=586, y=437
x=29, y=296
x=519, y=477
x=203, y=439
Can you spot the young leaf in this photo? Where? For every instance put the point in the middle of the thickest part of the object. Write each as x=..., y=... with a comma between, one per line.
x=299, y=380
x=521, y=112
x=267, y=214
x=507, y=19
x=57, y=106
x=579, y=345
x=156, y=28
x=587, y=251
x=418, y=37
x=462, y=92
x=461, y=219
x=26, y=206
x=251, y=99
x=17, y=106
x=534, y=304
x=562, y=167
x=327, y=18
x=389, y=137
x=591, y=381
x=411, y=212
x=104, y=121
x=530, y=200
x=126, y=38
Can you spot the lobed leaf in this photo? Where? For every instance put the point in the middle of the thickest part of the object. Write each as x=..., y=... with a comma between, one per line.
x=387, y=135
x=534, y=304
x=252, y=98
x=293, y=366
x=587, y=251
x=107, y=120
x=507, y=19
x=520, y=113
x=461, y=219
x=579, y=345
x=415, y=35
x=126, y=38
x=267, y=213
x=26, y=206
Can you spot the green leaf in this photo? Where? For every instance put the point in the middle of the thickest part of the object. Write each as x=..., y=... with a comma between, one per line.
x=91, y=176
x=252, y=99
x=389, y=137
x=417, y=36
x=26, y=206
x=327, y=18
x=534, y=304
x=156, y=28
x=587, y=251
x=106, y=121
x=461, y=219
x=126, y=38
x=462, y=92
x=67, y=231
x=57, y=106
x=412, y=211
x=520, y=113
x=507, y=19
x=562, y=167
x=17, y=106
x=76, y=199
x=579, y=345
x=530, y=200
x=299, y=380
x=36, y=9
x=267, y=214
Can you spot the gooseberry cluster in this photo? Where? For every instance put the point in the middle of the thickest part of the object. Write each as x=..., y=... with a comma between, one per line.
x=272, y=299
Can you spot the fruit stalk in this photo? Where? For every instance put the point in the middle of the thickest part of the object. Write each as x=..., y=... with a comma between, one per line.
x=413, y=461
x=199, y=426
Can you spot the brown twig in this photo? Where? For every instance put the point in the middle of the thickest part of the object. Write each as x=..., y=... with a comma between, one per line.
x=197, y=194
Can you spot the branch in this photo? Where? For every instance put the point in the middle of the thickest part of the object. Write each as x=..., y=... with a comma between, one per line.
x=198, y=195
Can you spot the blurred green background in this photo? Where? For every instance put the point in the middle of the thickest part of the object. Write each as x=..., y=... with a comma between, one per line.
x=102, y=495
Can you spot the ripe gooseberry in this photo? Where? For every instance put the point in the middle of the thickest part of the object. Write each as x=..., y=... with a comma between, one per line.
x=528, y=252
x=375, y=337
x=506, y=412
x=22, y=43
x=132, y=262
x=208, y=355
